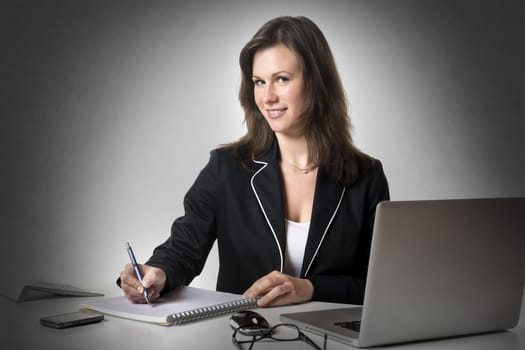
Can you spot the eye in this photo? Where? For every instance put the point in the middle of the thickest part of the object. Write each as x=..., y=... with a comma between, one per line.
x=258, y=82
x=282, y=79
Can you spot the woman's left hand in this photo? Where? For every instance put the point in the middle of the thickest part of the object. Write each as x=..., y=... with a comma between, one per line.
x=277, y=289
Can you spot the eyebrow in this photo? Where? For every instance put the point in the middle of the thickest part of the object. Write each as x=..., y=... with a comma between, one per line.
x=274, y=74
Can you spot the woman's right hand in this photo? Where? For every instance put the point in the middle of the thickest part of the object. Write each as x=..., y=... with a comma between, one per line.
x=154, y=280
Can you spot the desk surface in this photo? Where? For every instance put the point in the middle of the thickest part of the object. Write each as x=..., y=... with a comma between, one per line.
x=20, y=329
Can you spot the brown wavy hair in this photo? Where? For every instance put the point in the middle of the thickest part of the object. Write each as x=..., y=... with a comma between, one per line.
x=326, y=122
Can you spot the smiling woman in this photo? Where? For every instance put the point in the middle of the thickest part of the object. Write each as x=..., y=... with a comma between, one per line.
x=294, y=52
x=110, y=108
x=292, y=203
x=279, y=89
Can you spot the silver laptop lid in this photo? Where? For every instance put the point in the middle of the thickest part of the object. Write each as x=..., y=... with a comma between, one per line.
x=444, y=268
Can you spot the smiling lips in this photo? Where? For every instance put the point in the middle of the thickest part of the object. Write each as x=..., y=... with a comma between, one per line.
x=276, y=112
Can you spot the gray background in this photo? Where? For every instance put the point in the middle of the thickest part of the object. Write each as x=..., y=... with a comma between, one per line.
x=110, y=108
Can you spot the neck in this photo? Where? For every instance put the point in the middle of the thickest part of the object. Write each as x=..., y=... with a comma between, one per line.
x=294, y=150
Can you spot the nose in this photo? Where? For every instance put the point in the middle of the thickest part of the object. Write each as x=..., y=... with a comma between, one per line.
x=269, y=95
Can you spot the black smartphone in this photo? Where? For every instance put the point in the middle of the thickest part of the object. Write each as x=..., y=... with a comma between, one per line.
x=72, y=319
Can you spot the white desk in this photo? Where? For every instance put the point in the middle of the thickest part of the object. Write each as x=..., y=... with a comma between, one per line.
x=20, y=329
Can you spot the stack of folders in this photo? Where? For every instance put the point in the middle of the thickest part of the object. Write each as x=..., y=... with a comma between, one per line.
x=21, y=291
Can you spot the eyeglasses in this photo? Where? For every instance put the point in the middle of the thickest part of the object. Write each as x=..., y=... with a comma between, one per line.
x=280, y=332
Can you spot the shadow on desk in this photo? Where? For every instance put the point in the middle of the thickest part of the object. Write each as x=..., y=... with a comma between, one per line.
x=501, y=340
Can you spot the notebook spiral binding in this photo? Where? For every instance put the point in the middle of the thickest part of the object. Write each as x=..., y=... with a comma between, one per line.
x=211, y=311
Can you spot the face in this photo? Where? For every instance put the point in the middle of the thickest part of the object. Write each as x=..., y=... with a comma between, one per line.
x=279, y=89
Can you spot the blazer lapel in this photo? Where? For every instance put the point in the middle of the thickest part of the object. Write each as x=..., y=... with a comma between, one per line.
x=327, y=199
x=266, y=186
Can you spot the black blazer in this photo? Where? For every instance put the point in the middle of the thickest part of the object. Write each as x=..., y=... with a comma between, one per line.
x=243, y=209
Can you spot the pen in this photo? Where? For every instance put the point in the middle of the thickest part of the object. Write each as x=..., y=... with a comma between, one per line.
x=136, y=268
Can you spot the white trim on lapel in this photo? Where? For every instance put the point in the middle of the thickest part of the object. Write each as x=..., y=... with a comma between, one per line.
x=325, y=231
x=264, y=212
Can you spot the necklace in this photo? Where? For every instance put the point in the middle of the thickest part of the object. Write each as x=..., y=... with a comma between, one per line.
x=302, y=170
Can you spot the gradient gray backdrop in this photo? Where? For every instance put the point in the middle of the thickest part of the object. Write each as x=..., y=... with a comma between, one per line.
x=110, y=108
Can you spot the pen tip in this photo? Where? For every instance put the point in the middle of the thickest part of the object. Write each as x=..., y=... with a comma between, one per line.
x=127, y=245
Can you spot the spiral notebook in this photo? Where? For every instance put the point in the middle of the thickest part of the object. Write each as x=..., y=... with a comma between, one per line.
x=185, y=304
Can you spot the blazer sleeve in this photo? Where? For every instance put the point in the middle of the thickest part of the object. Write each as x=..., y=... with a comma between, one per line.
x=183, y=254
x=350, y=288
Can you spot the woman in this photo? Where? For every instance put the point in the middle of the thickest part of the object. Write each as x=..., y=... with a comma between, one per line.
x=291, y=203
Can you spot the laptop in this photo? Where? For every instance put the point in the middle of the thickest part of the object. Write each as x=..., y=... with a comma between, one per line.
x=438, y=268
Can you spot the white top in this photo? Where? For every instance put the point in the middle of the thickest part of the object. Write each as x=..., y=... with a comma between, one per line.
x=296, y=235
